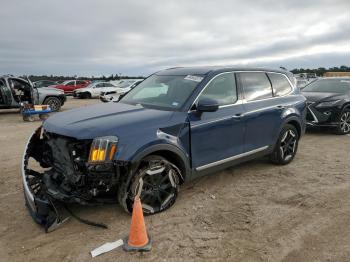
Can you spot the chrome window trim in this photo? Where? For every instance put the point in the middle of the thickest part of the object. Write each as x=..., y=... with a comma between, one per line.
x=222, y=161
x=244, y=101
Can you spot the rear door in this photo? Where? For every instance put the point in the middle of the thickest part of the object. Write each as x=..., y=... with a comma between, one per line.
x=263, y=112
x=217, y=136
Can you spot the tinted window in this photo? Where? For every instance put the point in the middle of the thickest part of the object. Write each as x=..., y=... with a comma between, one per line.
x=222, y=88
x=100, y=85
x=108, y=85
x=80, y=82
x=256, y=86
x=70, y=83
x=280, y=84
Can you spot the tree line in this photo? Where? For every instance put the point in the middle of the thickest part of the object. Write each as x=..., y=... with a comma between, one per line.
x=321, y=70
x=91, y=78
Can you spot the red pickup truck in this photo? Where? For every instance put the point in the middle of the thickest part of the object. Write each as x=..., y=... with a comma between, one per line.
x=70, y=85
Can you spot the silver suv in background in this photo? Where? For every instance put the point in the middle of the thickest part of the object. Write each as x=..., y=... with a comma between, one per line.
x=15, y=90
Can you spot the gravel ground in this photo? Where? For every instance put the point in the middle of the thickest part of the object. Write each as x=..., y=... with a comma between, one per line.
x=252, y=212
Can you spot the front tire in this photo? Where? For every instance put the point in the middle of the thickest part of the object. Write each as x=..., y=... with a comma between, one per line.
x=54, y=103
x=156, y=182
x=344, y=122
x=286, y=146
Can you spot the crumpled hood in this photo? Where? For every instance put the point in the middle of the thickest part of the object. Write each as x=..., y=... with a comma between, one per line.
x=321, y=96
x=106, y=119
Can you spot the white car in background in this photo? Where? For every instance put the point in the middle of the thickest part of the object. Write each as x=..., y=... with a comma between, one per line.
x=94, y=90
x=123, y=88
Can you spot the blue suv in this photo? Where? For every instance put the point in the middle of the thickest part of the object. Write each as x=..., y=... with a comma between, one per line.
x=176, y=125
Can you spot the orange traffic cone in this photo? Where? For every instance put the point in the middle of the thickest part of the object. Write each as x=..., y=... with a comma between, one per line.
x=138, y=239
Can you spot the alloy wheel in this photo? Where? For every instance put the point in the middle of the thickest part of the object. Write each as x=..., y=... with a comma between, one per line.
x=157, y=186
x=288, y=145
x=54, y=103
x=345, y=122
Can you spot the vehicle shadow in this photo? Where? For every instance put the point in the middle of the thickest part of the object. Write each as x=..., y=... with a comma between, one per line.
x=9, y=112
x=321, y=131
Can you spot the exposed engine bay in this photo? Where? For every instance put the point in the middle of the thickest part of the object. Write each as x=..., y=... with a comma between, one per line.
x=56, y=170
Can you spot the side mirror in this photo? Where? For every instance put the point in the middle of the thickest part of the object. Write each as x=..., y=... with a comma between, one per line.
x=207, y=105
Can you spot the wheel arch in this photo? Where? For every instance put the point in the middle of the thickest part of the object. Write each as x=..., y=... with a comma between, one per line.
x=171, y=153
x=346, y=105
x=296, y=124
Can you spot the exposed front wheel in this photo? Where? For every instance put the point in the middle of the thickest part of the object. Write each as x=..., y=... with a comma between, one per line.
x=156, y=183
x=344, y=123
x=286, y=146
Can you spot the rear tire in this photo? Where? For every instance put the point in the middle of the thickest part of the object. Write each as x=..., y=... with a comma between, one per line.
x=156, y=181
x=344, y=122
x=54, y=103
x=286, y=146
x=86, y=95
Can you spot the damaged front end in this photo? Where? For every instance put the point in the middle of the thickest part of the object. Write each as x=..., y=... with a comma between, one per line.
x=58, y=169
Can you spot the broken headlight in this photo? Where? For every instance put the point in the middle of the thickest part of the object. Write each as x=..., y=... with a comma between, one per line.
x=103, y=149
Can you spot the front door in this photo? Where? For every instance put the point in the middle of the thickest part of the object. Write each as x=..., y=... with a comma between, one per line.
x=217, y=136
x=5, y=94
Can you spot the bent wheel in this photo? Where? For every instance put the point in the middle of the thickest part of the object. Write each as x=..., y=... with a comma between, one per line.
x=157, y=185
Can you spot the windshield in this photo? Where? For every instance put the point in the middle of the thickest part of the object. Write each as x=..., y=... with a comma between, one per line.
x=164, y=92
x=329, y=86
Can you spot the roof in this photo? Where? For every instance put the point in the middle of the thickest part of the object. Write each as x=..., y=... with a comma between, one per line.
x=203, y=70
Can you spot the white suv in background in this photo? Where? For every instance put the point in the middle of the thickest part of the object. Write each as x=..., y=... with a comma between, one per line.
x=93, y=90
x=121, y=89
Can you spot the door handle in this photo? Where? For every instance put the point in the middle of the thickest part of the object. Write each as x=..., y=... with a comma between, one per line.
x=237, y=116
x=280, y=107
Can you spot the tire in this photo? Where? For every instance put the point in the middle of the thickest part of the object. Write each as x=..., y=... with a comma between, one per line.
x=43, y=117
x=86, y=95
x=54, y=103
x=344, y=122
x=286, y=146
x=156, y=181
x=28, y=118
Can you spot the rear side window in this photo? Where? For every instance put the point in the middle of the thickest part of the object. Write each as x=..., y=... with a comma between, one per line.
x=222, y=88
x=72, y=83
x=256, y=86
x=280, y=84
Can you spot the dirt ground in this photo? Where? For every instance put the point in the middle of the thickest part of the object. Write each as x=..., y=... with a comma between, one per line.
x=252, y=212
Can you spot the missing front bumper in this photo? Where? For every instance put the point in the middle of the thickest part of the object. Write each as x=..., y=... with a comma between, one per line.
x=43, y=210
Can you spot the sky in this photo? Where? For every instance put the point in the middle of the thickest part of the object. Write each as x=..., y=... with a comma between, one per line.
x=139, y=37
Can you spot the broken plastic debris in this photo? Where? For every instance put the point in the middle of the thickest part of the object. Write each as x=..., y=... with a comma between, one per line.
x=106, y=247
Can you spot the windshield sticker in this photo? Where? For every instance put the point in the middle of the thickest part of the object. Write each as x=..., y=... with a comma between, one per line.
x=175, y=104
x=194, y=78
